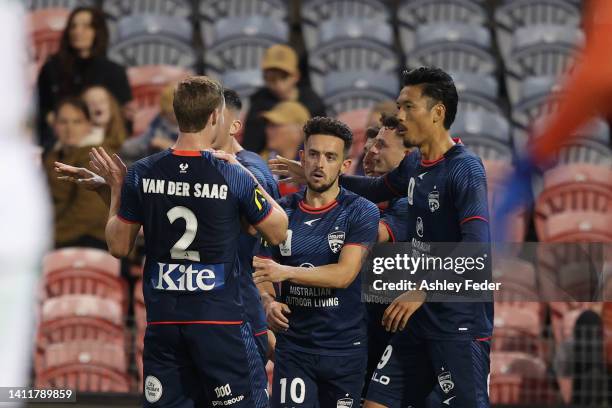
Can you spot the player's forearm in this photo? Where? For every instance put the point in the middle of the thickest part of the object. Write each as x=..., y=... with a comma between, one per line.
x=326, y=276
x=118, y=241
x=373, y=188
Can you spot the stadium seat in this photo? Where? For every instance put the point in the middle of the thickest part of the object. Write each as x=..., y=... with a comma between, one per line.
x=66, y=329
x=94, y=352
x=573, y=188
x=353, y=29
x=511, y=15
x=540, y=51
x=233, y=28
x=46, y=27
x=81, y=306
x=585, y=151
x=120, y=8
x=414, y=13
x=244, y=82
x=148, y=81
x=351, y=55
x=578, y=226
x=66, y=4
x=518, y=329
x=350, y=90
x=212, y=10
x=520, y=378
x=84, y=378
x=453, y=47
x=477, y=92
x=470, y=124
x=83, y=271
x=237, y=54
x=152, y=40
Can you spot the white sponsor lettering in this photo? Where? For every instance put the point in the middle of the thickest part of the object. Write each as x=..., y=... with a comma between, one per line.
x=190, y=279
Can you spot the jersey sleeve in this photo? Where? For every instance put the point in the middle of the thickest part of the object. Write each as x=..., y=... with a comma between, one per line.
x=130, y=209
x=363, y=226
x=395, y=219
x=469, y=189
x=251, y=201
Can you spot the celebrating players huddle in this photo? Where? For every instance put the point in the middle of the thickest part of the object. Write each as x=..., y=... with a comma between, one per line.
x=239, y=276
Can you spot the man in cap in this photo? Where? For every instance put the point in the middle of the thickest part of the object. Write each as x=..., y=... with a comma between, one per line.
x=281, y=76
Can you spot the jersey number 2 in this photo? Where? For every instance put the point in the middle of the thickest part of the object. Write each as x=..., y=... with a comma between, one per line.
x=179, y=250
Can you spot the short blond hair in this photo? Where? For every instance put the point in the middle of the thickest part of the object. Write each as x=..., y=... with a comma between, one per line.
x=195, y=99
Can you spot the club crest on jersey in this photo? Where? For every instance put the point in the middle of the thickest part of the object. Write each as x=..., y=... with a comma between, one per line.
x=446, y=382
x=183, y=167
x=336, y=240
x=344, y=403
x=419, y=227
x=434, y=200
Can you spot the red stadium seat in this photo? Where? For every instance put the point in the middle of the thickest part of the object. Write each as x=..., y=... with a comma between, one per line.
x=576, y=187
x=84, y=271
x=578, y=226
x=148, y=81
x=82, y=306
x=520, y=378
x=46, y=27
x=87, y=352
x=84, y=378
x=518, y=329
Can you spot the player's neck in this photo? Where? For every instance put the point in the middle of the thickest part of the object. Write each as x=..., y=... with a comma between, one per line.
x=317, y=200
x=436, y=146
x=193, y=141
x=233, y=146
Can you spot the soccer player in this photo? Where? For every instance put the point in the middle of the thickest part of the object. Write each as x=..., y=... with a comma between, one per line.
x=439, y=348
x=198, y=350
x=385, y=154
x=249, y=245
x=320, y=355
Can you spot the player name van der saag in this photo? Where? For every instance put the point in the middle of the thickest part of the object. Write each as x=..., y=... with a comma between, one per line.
x=183, y=189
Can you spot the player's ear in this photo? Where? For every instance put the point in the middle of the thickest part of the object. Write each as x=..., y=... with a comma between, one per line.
x=301, y=153
x=346, y=165
x=235, y=127
x=214, y=117
x=438, y=112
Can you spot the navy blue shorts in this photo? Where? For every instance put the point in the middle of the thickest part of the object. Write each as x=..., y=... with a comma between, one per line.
x=203, y=365
x=378, y=338
x=310, y=380
x=417, y=372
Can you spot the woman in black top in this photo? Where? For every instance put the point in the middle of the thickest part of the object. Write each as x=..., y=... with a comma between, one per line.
x=80, y=62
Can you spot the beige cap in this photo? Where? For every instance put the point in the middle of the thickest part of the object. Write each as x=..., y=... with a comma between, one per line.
x=287, y=113
x=281, y=57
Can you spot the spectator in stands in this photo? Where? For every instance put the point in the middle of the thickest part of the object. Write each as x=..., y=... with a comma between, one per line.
x=160, y=135
x=281, y=76
x=284, y=134
x=79, y=214
x=106, y=117
x=80, y=61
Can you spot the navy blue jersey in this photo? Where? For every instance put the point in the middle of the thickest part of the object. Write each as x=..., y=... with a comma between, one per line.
x=395, y=219
x=442, y=195
x=190, y=204
x=249, y=245
x=324, y=320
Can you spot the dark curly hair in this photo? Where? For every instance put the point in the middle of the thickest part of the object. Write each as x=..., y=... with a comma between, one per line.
x=437, y=85
x=322, y=125
x=389, y=121
x=372, y=132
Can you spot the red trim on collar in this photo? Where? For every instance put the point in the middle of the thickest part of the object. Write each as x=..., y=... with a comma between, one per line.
x=188, y=153
x=317, y=210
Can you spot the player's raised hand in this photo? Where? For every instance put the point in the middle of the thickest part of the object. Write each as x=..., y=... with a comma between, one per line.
x=79, y=175
x=399, y=311
x=111, y=169
x=276, y=314
x=292, y=169
x=266, y=270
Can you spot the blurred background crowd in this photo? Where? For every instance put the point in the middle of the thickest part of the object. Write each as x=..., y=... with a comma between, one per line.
x=102, y=73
